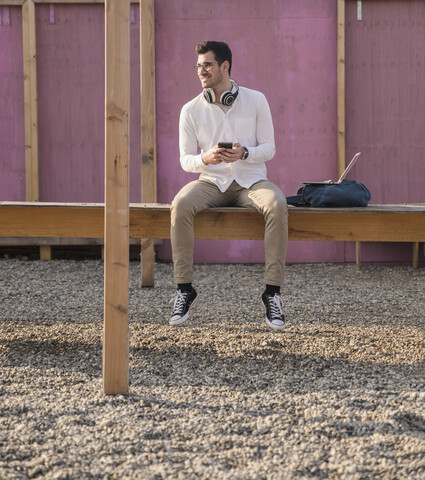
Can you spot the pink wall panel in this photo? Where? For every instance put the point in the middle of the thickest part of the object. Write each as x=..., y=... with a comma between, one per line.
x=287, y=50
x=385, y=106
x=70, y=45
x=12, y=135
x=70, y=50
x=385, y=97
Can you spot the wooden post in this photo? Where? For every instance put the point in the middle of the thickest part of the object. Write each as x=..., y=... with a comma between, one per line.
x=30, y=101
x=117, y=146
x=148, y=127
x=30, y=110
x=359, y=254
x=415, y=255
x=341, y=85
x=45, y=252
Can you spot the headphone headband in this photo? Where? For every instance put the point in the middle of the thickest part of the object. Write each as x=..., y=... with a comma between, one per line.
x=227, y=98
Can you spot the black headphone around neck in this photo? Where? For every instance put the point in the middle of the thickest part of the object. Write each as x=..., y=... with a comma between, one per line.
x=226, y=98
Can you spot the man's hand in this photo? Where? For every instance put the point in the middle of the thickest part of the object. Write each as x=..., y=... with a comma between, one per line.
x=212, y=156
x=230, y=155
x=216, y=155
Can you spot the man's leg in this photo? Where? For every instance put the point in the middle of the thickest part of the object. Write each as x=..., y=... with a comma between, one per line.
x=268, y=199
x=193, y=198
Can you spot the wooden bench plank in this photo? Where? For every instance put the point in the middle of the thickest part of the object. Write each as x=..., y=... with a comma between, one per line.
x=366, y=226
x=375, y=223
x=39, y=219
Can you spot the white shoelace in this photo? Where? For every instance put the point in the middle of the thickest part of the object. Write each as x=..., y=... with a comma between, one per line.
x=179, y=301
x=276, y=307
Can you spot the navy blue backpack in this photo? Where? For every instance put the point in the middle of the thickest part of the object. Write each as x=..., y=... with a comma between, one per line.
x=348, y=193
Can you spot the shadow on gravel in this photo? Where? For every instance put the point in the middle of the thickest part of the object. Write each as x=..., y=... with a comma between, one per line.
x=48, y=354
x=266, y=367
x=242, y=357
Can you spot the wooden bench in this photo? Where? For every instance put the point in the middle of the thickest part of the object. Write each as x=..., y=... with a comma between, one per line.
x=375, y=223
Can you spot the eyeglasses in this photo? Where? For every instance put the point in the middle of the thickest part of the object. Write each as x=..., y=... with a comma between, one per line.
x=206, y=66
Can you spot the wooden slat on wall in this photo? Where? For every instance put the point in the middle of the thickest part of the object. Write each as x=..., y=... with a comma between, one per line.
x=30, y=100
x=117, y=149
x=148, y=127
x=341, y=85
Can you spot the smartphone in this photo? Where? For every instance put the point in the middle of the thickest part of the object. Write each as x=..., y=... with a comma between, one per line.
x=225, y=145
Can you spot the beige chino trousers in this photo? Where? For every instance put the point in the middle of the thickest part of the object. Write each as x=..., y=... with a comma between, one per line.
x=266, y=197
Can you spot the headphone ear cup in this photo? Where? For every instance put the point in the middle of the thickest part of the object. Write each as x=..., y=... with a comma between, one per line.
x=228, y=98
x=209, y=95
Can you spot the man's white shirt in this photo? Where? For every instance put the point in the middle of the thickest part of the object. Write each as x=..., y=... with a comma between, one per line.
x=248, y=121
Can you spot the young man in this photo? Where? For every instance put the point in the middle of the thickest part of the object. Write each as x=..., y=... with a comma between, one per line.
x=236, y=176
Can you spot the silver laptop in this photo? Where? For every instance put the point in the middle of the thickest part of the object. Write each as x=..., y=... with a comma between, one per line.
x=341, y=178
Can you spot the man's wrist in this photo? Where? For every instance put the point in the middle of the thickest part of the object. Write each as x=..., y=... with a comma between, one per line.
x=245, y=153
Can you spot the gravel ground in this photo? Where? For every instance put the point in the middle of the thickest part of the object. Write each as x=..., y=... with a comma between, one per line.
x=340, y=394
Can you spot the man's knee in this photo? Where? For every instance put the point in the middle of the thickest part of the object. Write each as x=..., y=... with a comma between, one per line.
x=182, y=206
x=277, y=206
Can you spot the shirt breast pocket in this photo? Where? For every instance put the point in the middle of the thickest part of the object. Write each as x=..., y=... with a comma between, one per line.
x=203, y=134
x=245, y=131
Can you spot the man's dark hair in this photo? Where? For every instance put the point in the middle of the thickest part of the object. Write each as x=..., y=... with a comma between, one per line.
x=221, y=51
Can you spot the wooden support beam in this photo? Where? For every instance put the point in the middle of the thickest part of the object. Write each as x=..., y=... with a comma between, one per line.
x=30, y=101
x=341, y=84
x=148, y=128
x=147, y=90
x=358, y=254
x=117, y=147
x=415, y=255
x=31, y=109
x=45, y=252
x=148, y=262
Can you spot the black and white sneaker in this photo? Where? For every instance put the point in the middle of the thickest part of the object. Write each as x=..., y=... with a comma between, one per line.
x=274, y=311
x=183, y=302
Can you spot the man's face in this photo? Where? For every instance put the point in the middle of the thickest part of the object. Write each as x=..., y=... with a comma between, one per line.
x=214, y=75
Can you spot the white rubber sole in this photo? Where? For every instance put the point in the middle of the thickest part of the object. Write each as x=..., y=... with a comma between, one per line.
x=183, y=319
x=275, y=327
